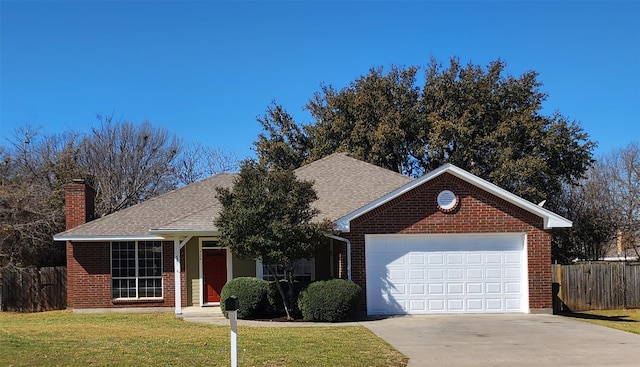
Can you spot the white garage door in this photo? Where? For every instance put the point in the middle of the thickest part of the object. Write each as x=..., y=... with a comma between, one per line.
x=422, y=274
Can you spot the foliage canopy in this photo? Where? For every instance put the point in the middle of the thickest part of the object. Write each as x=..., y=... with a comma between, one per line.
x=479, y=119
x=125, y=162
x=267, y=216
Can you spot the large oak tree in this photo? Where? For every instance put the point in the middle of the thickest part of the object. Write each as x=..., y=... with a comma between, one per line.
x=478, y=118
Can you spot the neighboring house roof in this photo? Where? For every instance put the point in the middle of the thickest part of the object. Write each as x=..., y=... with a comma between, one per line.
x=343, y=185
x=551, y=220
x=615, y=253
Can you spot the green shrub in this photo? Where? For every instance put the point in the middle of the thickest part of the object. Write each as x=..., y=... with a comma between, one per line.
x=251, y=293
x=329, y=300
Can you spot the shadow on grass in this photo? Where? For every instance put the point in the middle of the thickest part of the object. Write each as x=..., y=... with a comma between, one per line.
x=588, y=316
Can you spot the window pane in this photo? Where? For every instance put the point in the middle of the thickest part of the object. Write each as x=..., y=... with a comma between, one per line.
x=302, y=272
x=150, y=259
x=150, y=287
x=123, y=288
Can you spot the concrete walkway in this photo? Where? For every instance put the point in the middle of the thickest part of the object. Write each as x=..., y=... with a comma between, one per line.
x=213, y=316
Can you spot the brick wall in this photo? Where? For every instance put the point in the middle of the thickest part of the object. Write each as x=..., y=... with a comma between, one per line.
x=79, y=204
x=478, y=212
x=89, y=277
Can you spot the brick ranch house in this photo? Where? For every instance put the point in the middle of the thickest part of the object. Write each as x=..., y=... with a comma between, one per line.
x=447, y=242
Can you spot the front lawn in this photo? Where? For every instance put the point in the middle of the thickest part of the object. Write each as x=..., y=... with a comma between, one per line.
x=627, y=320
x=60, y=338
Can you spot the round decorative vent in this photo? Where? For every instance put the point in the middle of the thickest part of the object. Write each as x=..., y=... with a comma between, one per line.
x=447, y=200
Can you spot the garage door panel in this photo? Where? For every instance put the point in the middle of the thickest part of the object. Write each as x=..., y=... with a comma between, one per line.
x=494, y=304
x=512, y=288
x=512, y=258
x=512, y=273
x=493, y=288
x=493, y=258
x=446, y=274
x=474, y=258
x=455, y=288
x=455, y=304
x=435, y=274
x=398, y=289
x=396, y=275
x=436, y=289
x=453, y=258
x=493, y=273
x=417, y=274
x=417, y=305
x=474, y=304
x=417, y=289
x=455, y=274
x=436, y=305
x=474, y=288
x=474, y=273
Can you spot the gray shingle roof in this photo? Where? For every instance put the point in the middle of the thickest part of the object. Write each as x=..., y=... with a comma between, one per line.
x=191, y=207
x=343, y=184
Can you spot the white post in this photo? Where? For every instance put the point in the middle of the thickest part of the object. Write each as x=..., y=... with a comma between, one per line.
x=233, y=319
x=176, y=274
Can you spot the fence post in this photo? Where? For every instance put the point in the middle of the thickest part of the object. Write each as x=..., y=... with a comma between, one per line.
x=556, y=286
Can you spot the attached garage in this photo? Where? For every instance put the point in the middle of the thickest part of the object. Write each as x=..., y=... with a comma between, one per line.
x=451, y=242
x=463, y=273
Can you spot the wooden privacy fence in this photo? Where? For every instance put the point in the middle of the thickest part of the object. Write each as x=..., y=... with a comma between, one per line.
x=597, y=286
x=33, y=289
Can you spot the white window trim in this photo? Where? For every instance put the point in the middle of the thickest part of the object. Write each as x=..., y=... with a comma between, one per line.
x=137, y=277
x=201, y=270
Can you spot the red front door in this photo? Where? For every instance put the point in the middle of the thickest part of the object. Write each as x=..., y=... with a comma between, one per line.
x=215, y=273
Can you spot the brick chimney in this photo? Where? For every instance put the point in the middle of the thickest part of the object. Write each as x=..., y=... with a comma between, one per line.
x=79, y=200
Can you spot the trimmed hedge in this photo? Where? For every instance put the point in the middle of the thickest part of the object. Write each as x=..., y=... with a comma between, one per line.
x=329, y=300
x=251, y=293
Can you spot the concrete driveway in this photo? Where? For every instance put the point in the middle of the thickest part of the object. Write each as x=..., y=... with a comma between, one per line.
x=506, y=340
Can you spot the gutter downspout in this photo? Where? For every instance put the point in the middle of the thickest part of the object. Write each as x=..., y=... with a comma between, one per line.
x=342, y=239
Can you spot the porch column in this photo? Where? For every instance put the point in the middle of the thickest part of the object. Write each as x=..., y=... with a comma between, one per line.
x=176, y=275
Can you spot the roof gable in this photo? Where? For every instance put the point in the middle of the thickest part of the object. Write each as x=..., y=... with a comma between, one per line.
x=551, y=220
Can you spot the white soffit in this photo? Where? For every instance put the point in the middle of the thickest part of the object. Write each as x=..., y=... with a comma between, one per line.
x=86, y=238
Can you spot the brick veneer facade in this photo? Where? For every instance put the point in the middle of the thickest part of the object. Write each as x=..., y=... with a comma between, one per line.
x=89, y=277
x=89, y=263
x=478, y=212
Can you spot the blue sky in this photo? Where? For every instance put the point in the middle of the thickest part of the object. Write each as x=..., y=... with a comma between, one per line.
x=205, y=70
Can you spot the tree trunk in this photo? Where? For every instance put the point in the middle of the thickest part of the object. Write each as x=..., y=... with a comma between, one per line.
x=285, y=300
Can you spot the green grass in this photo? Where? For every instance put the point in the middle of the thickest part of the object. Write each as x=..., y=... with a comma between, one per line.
x=627, y=320
x=61, y=338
